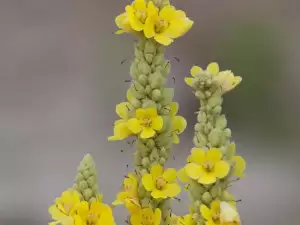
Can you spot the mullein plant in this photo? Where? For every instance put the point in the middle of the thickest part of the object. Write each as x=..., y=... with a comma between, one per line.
x=150, y=115
x=213, y=165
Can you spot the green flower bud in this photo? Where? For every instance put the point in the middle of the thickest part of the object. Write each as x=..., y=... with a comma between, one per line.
x=214, y=101
x=156, y=94
x=150, y=47
x=199, y=94
x=162, y=161
x=217, y=110
x=156, y=80
x=150, y=143
x=158, y=59
x=143, y=79
x=149, y=58
x=154, y=156
x=147, y=103
x=207, y=198
x=214, y=137
x=148, y=89
x=138, y=53
x=144, y=68
x=143, y=172
x=168, y=94
x=146, y=202
x=202, y=117
x=86, y=178
x=227, y=133
x=146, y=162
x=221, y=122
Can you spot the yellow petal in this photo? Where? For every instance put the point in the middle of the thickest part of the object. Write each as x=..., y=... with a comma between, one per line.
x=174, y=108
x=196, y=70
x=148, y=182
x=240, y=166
x=227, y=213
x=157, y=123
x=157, y=216
x=221, y=169
x=193, y=170
x=139, y=5
x=135, y=22
x=176, y=139
x=215, y=206
x=178, y=124
x=158, y=194
x=152, y=10
x=136, y=219
x=147, y=133
x=213, y=155
x=198, y=156
x=188, y=80
x=129, y=95
x=205, y=212
x=156, y=171
x=134, y=125
x=207, y=178
x=141, y=113
x=149, y=29
x=151, y=112
x=120, y=19
x=170, y=175
x=172, y=190
x=120, y=32
x=167, y=13
x=213, y=68
x=122, y=109
x=182, y=176
x=175, y=29
x=121, y=131
x=163, y=40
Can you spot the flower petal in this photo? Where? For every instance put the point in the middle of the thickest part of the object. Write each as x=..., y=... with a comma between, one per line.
x=134, y=125
x=207, y=178
x=157, y=123
x=122, y=109
x=221, y=169
x=205, y=212
x=167, y=13
x=158, y=194
x=174, y=108
x=139, y=5
x=215, y=206
x=172, y=190
x=156, y=171
x=163, y=40
x=151, y=112
x=240, y=166
x=197, y=156
x=147, y=133
x=141, y=113
x=136, y=219
x=148, y=182
x=170, y=175
x=193, y=170
x=196, y=70
x=135, y=23
x=178, y=124
x=149, y=29
x=188, y=80
x=176, y=139
x=213, y=68
x=157, y=216
x=182, y=176
x=213, y=155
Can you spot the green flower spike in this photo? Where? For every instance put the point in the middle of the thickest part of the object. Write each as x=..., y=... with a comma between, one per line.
x=86, y=181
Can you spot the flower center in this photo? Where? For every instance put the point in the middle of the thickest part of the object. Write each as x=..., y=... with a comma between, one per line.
x=147, y=220
x=160, y=183
x=161, y=25
x=208, y=166
x=147, y=122
x=216, y=218
x=141, y=15
x=68, y=207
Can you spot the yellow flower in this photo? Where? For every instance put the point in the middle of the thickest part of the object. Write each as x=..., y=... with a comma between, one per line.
x=146, y=216
x=64, y=208
x=121, y=130
x=206, y=166
x=137, y=14
x=161, y=184
x=186, y=220
x=220, y=213
x=95, y=213
x=146, y=123
x=239, y=163
x=166, y=24
x=227, y=80
x=122, y=22
x=178, y=122
x=129, y=195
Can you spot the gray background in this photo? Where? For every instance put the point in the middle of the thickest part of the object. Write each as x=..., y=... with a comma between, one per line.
x=61, y=76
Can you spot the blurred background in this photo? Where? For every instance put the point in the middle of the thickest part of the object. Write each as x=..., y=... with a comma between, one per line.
x=61, y=77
